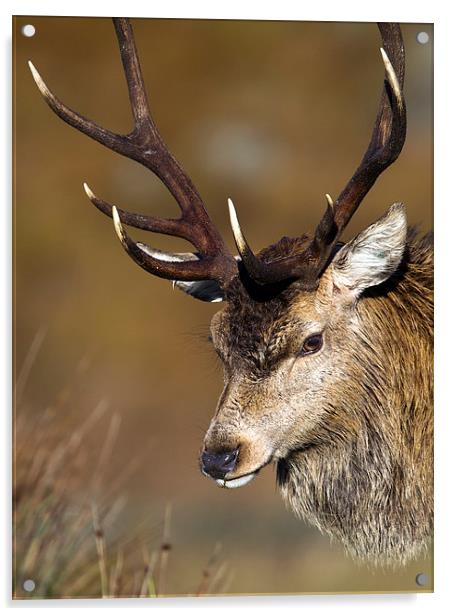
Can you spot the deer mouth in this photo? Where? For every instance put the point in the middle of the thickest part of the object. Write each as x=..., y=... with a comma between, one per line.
x=241, y=480
x=237, y=482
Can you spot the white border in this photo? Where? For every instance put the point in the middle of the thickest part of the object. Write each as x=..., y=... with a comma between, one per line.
x=346, y=10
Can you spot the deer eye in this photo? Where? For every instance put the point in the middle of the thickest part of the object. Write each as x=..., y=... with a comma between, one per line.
x=312, y=344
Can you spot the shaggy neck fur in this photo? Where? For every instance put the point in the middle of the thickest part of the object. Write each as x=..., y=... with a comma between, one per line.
x=366, y=477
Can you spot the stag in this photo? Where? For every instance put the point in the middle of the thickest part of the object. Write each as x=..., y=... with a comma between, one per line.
x=326, y=346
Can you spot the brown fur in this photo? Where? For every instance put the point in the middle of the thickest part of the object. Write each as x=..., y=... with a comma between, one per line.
x=350, y=429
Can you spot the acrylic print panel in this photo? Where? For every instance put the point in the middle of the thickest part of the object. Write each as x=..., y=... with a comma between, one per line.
x=327, y=370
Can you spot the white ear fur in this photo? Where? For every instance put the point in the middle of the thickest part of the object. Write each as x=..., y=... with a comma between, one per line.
x=374, y=255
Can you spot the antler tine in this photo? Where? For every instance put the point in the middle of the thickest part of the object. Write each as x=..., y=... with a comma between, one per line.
x=149, y=147
x=389, y=131
x=88, y=127
x=135, y=84
x=146, y=146
x=253, y=265
x=386, y=143
x=305, y=266
x=167, y=226
x=192, y=270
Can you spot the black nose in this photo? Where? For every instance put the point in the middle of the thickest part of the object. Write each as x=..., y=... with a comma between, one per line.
x=218, y=464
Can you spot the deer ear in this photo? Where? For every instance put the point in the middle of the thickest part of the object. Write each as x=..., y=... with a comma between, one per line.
x=374, y=255
x=205, y=290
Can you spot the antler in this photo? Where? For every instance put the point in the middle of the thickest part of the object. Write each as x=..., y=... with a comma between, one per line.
x=386, y=143
x=146, y=146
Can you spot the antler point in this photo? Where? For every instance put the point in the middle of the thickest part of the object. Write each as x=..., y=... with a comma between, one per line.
x=236, y=230
x=89, y=193
x=392, y=77
x=118, y=225
x=34, y=72
x=38, y=80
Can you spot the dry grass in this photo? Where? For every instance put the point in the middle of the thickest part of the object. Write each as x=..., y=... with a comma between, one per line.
x=67, y=533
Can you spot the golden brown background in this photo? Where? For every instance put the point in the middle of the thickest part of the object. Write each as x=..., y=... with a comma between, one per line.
x=272, y=114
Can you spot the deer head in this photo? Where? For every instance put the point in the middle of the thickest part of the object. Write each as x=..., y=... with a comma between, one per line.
x=287, y=335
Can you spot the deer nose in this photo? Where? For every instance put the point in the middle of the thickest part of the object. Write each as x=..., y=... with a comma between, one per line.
x=218, y=464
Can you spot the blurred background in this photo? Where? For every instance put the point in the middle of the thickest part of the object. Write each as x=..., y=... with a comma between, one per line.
x=271, y=114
